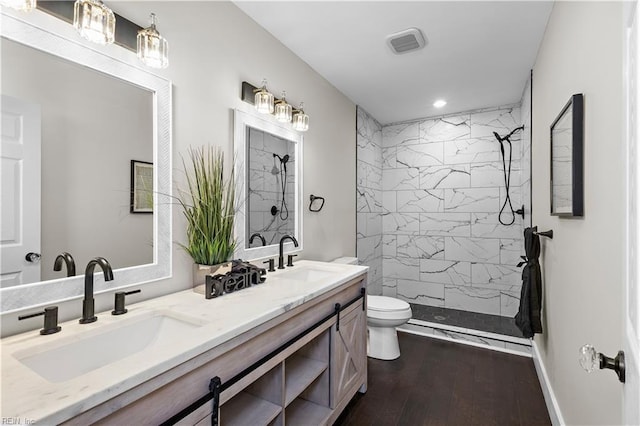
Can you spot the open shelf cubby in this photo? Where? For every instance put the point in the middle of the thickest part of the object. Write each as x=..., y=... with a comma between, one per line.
x=300, y=373
x=296, y=391
x=246, y=409
x=303, y=412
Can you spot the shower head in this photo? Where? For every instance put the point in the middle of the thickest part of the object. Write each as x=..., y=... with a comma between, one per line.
x=283, y=160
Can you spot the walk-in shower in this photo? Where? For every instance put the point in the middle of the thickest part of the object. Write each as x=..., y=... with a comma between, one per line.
x=436, y=220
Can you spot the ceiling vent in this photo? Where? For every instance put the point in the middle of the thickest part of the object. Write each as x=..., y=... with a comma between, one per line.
x=406, y=41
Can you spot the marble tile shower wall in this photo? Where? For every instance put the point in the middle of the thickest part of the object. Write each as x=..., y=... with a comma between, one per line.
x=442, y=189
x=369, y=198
x=265, y=187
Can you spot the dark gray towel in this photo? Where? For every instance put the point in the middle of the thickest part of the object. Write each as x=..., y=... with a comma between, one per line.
x=528, y=316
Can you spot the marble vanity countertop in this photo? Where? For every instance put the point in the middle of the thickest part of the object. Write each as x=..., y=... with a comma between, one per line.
x=28, y=397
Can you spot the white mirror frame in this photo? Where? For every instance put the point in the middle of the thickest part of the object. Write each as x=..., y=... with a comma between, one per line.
x=242, y=120
x=44, y=32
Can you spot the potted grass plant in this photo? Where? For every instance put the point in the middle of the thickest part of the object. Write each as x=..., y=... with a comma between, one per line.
x=208, y=204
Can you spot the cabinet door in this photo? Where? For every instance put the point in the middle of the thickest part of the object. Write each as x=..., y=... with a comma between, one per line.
x=349, y=354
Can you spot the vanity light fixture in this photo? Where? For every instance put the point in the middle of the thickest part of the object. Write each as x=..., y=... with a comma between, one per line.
x=439, y=103
x=153, y=49
x=263, y=99
x=284, y=110
x=21, y=5
x=300, y=119
x=94, y=21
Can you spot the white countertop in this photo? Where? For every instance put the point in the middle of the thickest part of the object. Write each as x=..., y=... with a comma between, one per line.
x=28, y=396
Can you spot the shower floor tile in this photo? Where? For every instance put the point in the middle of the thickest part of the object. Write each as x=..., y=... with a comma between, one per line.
x=465, y=319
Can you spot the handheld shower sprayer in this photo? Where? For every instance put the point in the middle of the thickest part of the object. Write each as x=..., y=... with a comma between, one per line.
x=507, y=176
x=282, y=171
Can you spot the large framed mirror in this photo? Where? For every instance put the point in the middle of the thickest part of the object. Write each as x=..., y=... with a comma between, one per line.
x=268, y=173
x=74, y=117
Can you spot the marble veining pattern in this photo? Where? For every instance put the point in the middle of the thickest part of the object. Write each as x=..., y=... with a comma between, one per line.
x=445, y=128
x=455, y=176
x=442, y=188
x=431, y=294
x=428, y=197
x=472, y=200
x=431, y=154
x=423, y=200
x=400, y=134
x=445, y=272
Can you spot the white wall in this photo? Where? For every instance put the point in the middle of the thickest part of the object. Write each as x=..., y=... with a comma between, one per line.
x=583, y=264
x=213, y=48
x=92, y=127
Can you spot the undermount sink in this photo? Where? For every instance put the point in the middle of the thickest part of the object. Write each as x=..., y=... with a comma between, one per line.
x=309, y=273
x=73, y=358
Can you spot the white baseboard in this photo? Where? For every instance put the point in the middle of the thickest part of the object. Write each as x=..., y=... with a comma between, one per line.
x=549, y=397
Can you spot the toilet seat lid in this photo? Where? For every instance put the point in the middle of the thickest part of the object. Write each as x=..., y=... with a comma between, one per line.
x=384, y=303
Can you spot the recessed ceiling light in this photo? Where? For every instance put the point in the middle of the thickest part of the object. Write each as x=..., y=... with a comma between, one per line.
x=439, y=103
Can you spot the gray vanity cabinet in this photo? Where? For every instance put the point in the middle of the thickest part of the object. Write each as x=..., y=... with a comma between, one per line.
x=309, y=382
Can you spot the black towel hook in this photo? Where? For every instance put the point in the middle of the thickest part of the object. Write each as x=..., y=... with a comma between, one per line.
x=312, y=198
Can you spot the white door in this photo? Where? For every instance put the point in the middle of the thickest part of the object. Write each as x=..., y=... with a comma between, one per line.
x=19, y=192
x=631, y=297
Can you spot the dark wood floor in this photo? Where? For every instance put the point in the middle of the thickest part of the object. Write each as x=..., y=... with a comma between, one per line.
x=436, y=382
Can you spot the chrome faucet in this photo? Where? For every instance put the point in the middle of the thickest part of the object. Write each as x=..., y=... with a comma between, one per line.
x=68, y=261
x=257, y=234
x=281, y=257
x=88, y=308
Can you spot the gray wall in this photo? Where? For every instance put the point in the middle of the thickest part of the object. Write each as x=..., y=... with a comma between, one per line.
x=583, y=266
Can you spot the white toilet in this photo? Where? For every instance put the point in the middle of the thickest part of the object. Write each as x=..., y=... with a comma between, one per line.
x=384, y=314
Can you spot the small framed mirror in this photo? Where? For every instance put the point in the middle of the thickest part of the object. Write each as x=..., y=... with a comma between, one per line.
x=567, y=143
x=268, y=173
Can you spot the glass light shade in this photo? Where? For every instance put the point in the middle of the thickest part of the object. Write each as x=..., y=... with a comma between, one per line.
x=22, y=5
x=94, y=21
x=153, y=49
x=283, y=111
x=264, y=101
x=300, y=121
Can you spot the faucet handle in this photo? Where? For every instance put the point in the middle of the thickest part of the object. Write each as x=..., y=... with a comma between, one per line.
x=290, y=259
x=50, y=320
x=272, y=265
x=118, y=308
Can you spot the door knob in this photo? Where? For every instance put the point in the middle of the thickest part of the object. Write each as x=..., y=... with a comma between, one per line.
x=590, y=360
x=32, y=257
